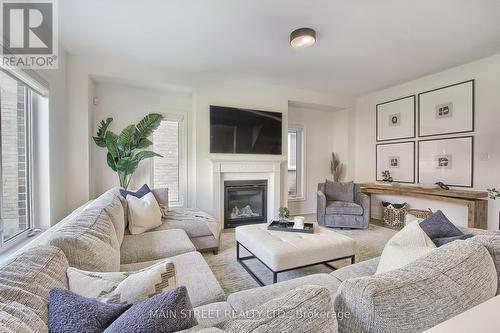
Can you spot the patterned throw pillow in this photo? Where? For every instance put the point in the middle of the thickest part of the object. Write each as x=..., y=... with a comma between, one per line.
x=123, y=287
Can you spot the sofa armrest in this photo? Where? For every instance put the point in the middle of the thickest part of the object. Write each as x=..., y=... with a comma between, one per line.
x=446, y=282
x=161, y=195
x=364, y=201
x=321, y=208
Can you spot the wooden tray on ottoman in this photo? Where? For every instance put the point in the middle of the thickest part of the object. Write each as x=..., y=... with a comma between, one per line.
x=277, y=226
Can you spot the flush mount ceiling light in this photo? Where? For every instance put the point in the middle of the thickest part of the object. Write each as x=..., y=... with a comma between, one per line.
x=303, y=37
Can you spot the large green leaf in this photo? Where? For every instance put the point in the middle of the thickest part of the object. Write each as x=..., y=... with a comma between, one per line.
x=126, y=139
x=111, y=161
x=112, y=144
x=143, y=143
x=100, y=139
x=148, y=124
x=145, y=154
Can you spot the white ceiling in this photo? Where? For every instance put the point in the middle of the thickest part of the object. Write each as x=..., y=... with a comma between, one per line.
x=363, y=45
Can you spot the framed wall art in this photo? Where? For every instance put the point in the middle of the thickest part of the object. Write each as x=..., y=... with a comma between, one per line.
x=447, y=110
x=399, y=159
x=449, y=160
x=396, y=119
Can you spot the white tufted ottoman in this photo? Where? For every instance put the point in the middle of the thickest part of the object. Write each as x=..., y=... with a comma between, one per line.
x=282, y=251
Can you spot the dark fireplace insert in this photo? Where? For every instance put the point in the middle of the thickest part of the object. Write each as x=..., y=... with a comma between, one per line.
x=245, y=202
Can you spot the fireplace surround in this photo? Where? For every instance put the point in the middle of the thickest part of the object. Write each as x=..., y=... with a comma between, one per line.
x=245, y=202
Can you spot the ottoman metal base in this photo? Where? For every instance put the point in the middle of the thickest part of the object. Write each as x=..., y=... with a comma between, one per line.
x=275, y=273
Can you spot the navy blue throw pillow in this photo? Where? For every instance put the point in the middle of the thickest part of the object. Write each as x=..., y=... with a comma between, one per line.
x=138, y=194
x=445, y=240
x=438, y=226
x=163, y=313
x=69, y=313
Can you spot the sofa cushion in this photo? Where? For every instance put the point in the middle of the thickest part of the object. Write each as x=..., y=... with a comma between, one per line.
x=143, y=213
x=290, y=312
x=249, y=299
x=161, y=195
x=194, y=273
x=409, y=244
x=195, y=222
x=123, y=287
x=343, y=207
x=18, y=318
x=212, y=314
x=492, y=243
x=155, y=245
x=360, y=269
x=337, y=191
x=89, y=241
x=448, y=281
x=69, y=312
x=25, y=281
x=111, y=203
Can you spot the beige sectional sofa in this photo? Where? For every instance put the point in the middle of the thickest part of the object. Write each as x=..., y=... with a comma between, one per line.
x=448, y=281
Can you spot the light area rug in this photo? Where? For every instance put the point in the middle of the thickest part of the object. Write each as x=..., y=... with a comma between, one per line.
x=233, y=277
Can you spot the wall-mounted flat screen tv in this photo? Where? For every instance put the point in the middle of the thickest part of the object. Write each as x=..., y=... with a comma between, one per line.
x=244, y=131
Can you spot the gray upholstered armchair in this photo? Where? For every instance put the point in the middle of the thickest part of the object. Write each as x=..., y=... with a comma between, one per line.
x=343, y=205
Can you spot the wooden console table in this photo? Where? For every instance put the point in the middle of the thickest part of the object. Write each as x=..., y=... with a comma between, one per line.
x=474, y=200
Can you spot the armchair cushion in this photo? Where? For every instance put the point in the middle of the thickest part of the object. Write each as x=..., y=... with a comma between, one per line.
x=336, y=191
x=343, y=207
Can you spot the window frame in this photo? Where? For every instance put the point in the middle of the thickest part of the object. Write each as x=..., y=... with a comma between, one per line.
x=181, y=119
x=300, y=165
x=28, y=137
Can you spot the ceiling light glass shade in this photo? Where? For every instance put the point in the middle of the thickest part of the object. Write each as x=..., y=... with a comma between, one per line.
x=303, y=37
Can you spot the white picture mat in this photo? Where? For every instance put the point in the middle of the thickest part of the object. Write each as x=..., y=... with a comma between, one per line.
x=460, y=173
x=462, y=114
x=406, y=153
x=406, y=108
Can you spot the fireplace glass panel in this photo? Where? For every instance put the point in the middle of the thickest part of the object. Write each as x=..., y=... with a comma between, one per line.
x=245, y=203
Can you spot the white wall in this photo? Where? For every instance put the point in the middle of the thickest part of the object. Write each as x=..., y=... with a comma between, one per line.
x=486, y=72
x=321, y=130
x=126, y=105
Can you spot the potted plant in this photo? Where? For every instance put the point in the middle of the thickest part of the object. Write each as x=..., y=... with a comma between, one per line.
x=127, y=149
x=283, y=214
x=494, y=194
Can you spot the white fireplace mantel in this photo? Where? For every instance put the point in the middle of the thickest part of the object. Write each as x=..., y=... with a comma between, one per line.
x=269, y=170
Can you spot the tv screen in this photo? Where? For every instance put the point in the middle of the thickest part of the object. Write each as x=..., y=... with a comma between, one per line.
x=243, y=131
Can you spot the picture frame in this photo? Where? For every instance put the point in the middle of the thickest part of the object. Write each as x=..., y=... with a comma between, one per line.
x=447, y=160
x=398, y=158
x=446, y=110
x=396, y=119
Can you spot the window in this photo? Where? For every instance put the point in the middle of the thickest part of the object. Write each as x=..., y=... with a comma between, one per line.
x=295, y=162
x=170, y=169
x=15, y=159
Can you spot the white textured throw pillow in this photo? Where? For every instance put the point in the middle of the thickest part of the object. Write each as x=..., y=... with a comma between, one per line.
x=409, y=244
x=123, y=287
x=410, y=218
x=143, y=213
